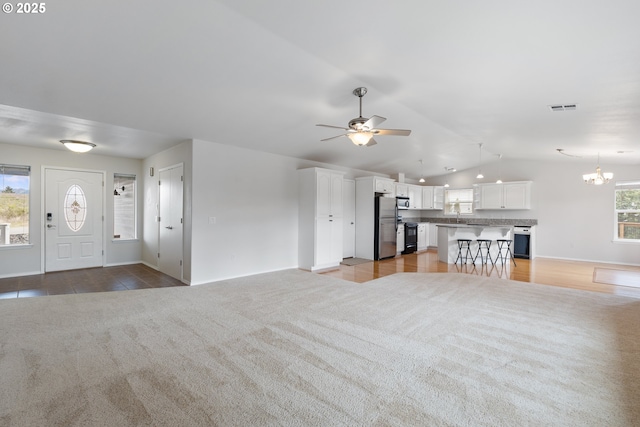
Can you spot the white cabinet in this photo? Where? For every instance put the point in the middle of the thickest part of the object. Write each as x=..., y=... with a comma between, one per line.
x=510, y=195
x=384, y=185
x=432, y=197
x=415, y=196
x=329, y=193
x=433, y=235
x=400, y=239
x=423, y=233
x=402, y=190
x=320, y=227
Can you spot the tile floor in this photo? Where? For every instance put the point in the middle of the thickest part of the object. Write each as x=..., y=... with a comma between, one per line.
x=102, y=279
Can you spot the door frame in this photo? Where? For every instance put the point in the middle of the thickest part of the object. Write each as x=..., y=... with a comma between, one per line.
x=43, y=222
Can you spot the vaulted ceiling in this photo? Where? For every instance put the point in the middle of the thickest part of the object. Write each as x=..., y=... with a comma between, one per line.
x=139, y=77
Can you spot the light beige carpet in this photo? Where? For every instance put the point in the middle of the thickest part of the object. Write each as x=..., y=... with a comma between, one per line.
x=299, y=349
x=612, y=276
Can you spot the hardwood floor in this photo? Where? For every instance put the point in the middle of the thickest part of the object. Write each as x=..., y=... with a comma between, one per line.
x=546, y=271
x=105, y=279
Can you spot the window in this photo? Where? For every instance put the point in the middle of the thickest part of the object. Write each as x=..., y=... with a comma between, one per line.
x=124, y=207
x=75, y=207
x=628, y=211
x=458, y=201
x=14, y=204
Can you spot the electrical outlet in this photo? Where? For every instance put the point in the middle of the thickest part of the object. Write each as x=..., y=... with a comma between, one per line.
x=212, y=220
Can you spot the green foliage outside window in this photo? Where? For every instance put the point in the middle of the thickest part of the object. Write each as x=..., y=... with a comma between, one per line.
x=628, y=212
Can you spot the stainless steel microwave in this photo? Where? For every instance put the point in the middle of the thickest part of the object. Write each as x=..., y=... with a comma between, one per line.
x=402, y=202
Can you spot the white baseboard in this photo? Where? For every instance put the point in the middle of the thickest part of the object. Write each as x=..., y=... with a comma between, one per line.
x=26, y=273
x=588, y=260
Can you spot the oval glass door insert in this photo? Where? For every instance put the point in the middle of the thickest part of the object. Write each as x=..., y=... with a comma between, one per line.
x=75, y=207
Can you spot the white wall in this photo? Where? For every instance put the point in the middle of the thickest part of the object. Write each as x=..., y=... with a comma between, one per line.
x=17, y=261
x=180, y=154
x=575, y=220
x=253, y=197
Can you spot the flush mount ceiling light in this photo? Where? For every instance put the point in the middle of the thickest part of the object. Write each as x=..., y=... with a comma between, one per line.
x=480, y=176
x=77, y=146
x=597, y=178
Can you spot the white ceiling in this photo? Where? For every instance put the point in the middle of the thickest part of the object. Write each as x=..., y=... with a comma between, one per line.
x=139, y=77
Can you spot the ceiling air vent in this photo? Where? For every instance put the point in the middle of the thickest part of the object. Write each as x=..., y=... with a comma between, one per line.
x=563, y=107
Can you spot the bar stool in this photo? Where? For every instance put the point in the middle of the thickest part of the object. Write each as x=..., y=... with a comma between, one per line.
x=484, y=244
x=464, y=244
x=504, y=252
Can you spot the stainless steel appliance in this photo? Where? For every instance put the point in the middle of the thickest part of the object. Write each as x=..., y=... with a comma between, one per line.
x=402, y=202
x=410, y=237
x=521, y=242
x=386, y=212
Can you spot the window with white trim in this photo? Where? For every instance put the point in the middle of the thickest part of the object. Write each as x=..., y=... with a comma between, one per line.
x=458, y=201
x=14, y=204
x=124, y=207
x=627, y=211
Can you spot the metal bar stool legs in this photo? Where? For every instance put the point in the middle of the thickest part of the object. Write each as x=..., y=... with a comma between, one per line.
x=504, y=251
x=464, y=245
x=484, y=244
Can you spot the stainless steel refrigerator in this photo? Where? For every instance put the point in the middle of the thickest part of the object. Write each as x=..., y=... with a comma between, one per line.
x=386, y=223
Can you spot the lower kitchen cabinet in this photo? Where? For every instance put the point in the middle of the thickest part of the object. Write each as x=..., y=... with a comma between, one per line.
x=400, y=239
x=432, y=237
x=423, y=233
x=328, y=249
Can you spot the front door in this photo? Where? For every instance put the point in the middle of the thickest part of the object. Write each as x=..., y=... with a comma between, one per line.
x=74, y=226
x=170, y=223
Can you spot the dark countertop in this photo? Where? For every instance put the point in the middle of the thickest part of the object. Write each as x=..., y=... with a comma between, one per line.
x=492, y=222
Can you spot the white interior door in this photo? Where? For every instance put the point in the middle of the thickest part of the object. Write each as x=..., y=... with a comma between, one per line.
x=170, y=223
x=74, y=226
x=349, y=224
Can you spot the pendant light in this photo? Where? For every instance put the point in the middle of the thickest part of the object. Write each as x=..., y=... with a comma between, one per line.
x=480, y=176
x=597, y=178
x=422, y=174
x=446, y=176
x=499, y=181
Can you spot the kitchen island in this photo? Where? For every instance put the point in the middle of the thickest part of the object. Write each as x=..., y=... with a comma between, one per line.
x=448, y=235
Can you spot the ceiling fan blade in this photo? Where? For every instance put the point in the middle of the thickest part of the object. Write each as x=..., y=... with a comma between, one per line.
x=399, y=132
x=333, y=137
x=373, y=122
x=370, y=143
x=335, y=127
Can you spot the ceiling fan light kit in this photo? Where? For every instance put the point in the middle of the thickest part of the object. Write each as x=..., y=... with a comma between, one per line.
x=361, y=130
x=77, y=146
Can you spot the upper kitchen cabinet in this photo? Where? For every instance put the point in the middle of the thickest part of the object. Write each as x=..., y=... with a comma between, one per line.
x=415, y=197
x=433, y=197
x=402, y=190
x=384, y=185
x=320, y=227
x=509, y=195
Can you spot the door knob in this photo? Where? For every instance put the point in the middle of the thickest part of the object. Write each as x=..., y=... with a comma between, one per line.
x=51, y=226
x=169, y=228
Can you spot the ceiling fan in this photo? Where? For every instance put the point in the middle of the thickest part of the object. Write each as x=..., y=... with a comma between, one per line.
x=362, y=130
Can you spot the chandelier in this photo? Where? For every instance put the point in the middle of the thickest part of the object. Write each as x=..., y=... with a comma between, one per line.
x=597, y=178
